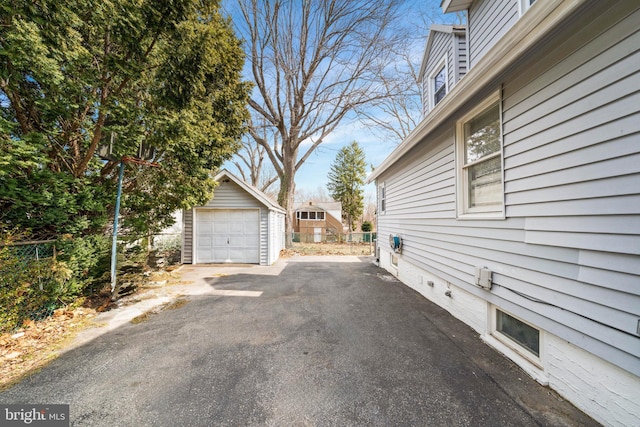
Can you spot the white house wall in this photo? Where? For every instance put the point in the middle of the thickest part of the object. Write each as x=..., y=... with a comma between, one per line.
x=451, y=46
x=440, y=47
x=567, y=257
x=489, y=20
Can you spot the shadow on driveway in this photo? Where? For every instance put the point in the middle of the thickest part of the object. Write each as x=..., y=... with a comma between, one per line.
x=304, y=342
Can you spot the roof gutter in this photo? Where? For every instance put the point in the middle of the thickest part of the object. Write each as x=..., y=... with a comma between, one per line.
x=530, y=28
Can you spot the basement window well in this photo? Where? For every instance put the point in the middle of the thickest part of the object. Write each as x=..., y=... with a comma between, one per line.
x=518, y=332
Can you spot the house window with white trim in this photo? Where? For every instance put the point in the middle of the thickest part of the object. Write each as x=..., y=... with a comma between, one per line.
x=383, y=199
x=438, y=83
x=479, y=161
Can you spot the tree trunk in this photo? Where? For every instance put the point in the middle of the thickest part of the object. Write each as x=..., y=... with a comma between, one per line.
x=296, y=99
x=286, y=197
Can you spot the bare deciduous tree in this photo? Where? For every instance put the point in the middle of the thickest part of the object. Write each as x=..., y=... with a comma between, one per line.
x=250, y=163
x=395, y=116
x=312, y=63
x=370, y=210
x=306, y=195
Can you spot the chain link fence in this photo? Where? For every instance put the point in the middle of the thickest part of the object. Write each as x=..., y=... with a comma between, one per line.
x=26, y=275
x=322, y=237
x=333, y=244
x=38, y=277
x=33, y=250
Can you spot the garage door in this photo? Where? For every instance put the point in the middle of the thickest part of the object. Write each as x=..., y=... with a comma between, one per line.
x=227, y=235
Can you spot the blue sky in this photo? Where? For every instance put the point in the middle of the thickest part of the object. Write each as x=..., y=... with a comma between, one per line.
x=314, y=171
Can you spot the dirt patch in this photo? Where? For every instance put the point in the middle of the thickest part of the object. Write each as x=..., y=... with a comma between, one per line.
x=26, y=350
x=307, y=249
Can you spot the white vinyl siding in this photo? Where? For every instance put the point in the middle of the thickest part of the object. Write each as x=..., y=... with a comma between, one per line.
x=567, y=257
x=447, y=50
x=275, y=236
x=425, y=96
x=187, y=237
x=489, y=20
x=441, y=51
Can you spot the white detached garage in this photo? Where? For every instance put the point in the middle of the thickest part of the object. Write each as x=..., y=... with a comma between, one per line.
x=240, y=224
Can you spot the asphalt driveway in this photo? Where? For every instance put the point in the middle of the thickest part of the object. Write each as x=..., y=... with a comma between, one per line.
x=309, y=341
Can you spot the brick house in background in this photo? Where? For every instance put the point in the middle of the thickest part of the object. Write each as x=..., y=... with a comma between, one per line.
x=318, y=221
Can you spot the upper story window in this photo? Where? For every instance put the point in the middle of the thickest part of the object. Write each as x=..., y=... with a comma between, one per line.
x=438, y=83
x=525, y=5
x=439, y=86
x=383, y=199
x=479, y=161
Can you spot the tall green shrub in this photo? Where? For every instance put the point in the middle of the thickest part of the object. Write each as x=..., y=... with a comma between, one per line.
x=32, y=288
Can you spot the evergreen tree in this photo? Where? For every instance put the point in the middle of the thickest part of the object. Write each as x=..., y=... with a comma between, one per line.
x=73, y=73
x=346, y=179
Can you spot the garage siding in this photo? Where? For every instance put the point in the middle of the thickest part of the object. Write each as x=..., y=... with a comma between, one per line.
x=187, y=236
x=276, y=236
x=227, y=195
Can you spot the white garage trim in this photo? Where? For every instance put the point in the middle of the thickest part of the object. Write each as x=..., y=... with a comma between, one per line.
x=226, y=235
x=232, y=193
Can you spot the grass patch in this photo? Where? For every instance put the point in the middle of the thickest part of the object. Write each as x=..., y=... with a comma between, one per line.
x=306, y=249
x=175, y=304
x=172, y=305
x=141, y=318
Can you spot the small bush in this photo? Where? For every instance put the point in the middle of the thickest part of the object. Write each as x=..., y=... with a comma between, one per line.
x=88, y=258
x=32, y=288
